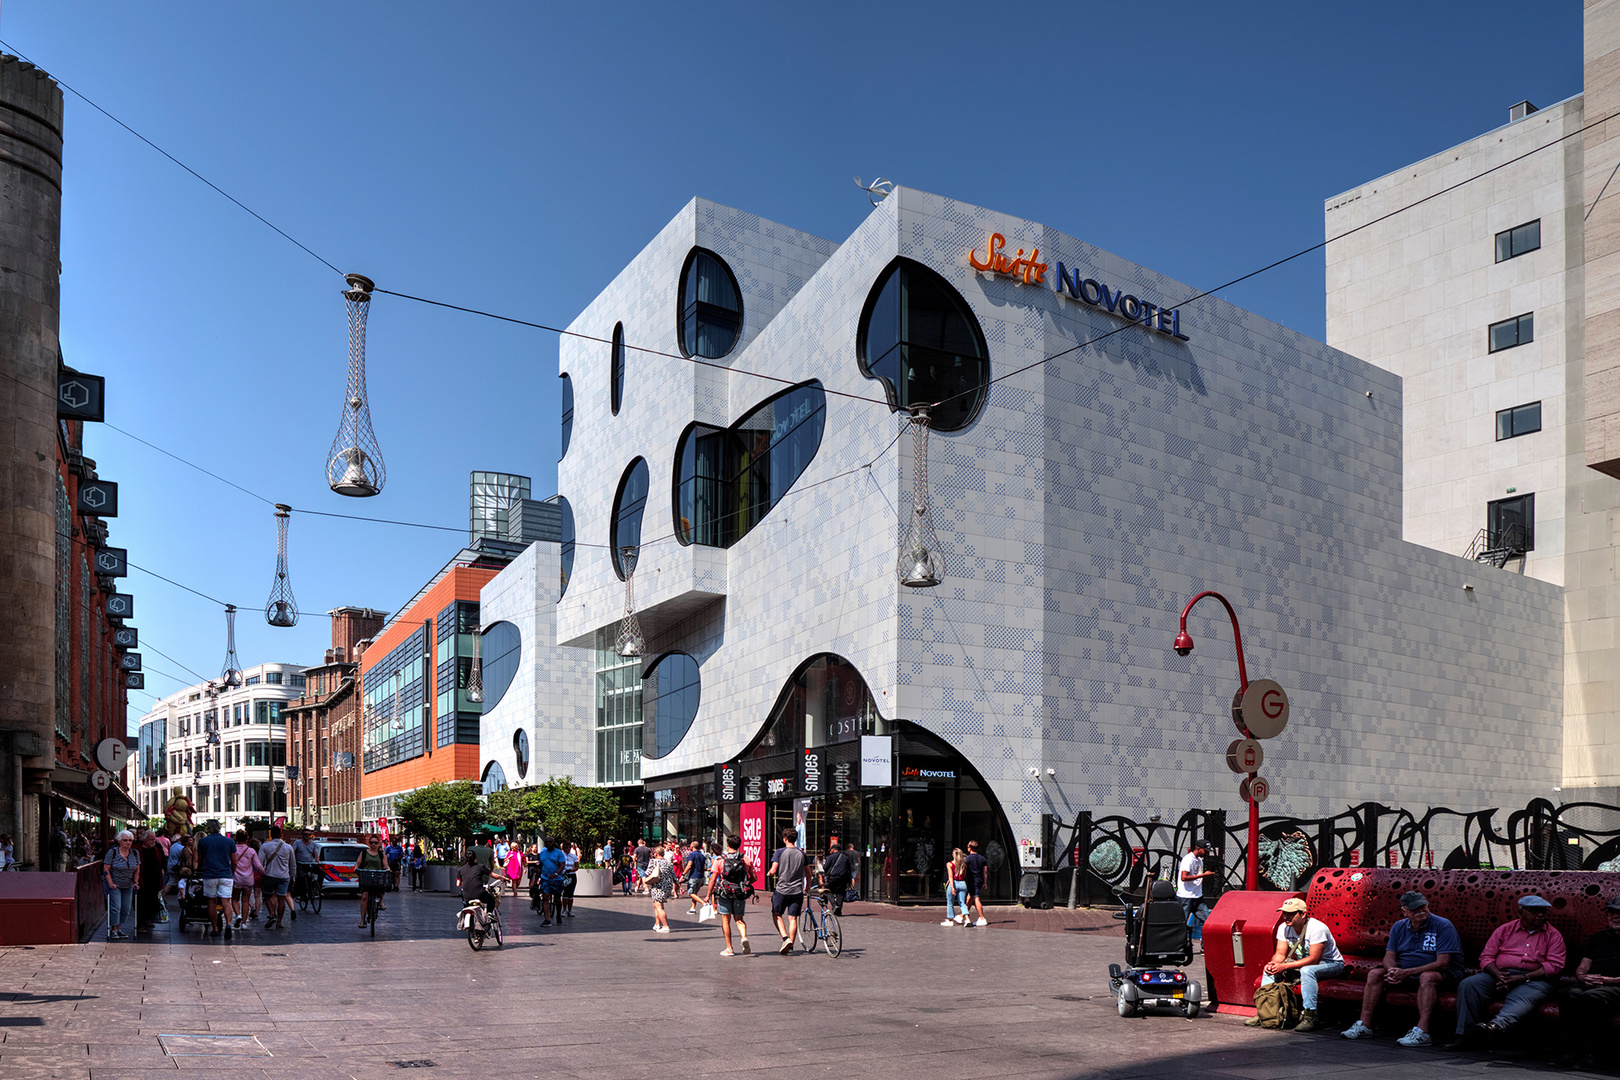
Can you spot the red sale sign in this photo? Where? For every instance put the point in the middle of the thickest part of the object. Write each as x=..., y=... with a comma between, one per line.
x=752, y=820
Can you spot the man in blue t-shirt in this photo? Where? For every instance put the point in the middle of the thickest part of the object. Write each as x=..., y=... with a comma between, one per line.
x=1424, y=953
x=553, y=867
x=216, y=853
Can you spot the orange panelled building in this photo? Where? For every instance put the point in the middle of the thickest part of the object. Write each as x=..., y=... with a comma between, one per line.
x=418, y=725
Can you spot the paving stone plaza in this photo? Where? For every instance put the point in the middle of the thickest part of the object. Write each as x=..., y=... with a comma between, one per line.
x=606, y=998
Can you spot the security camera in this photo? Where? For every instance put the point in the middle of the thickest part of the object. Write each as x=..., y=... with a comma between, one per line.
x=1051, y=772
x=1184, y=652
x=1033, y=771
x=1184, y=643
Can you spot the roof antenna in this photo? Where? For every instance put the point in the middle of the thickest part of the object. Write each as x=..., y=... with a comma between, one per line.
x=877, y=190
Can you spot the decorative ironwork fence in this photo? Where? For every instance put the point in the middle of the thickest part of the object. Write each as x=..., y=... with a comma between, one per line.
x=1121, y=855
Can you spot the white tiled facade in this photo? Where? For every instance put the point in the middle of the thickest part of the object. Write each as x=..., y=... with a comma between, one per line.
x=1413, y=283
x=550, y=696
x=1089, y=500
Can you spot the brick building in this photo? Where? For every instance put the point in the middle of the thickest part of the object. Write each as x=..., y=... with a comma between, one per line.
x=323, y=728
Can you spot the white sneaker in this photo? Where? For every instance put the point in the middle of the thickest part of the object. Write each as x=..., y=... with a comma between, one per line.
x=948, y=922
x=1416, y=1037
x=981, y=922
x=661, y=929
x=960, y=920
x=1357, y=1030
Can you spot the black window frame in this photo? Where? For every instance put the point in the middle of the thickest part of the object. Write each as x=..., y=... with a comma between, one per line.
x=1513, y=423
x=616, y=367
x=1508, y=241
x=567, y=413
x=618, y=511
x=895, y=386
x=694, y=310
x=567, y=539
x=1496, y=528
x=1524, y=332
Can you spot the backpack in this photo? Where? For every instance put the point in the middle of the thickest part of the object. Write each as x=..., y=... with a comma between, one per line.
x=1276, y=1006
x=735, y=880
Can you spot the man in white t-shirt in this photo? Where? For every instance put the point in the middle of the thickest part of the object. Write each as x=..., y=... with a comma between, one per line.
x=1304, y=945
x=1190, y=887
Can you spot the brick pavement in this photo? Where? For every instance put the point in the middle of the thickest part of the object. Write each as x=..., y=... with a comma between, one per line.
x=603, y=997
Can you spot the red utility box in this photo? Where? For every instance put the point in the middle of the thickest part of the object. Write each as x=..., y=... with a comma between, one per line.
x=1240, y=935
x=39, y=909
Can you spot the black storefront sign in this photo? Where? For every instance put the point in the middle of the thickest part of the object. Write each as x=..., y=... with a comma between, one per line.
x=134, y=680
x=727, y=783
x=120, y=605
x=753, y=788
x=113, y=562
x=98, y=497
x=81, y=397
x=813, y=772
x=843, y=779
x=126, y=637
x=130, y=661
x=779, y=786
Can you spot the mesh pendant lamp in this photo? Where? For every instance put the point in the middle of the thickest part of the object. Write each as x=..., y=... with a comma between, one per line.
x=355, y=465
x=231, y=675
x=631, y=641
x=475, y=678
x=920, y=564
x=281, y=609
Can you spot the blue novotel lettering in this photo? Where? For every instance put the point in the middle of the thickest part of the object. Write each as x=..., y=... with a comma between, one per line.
x=1161, y=320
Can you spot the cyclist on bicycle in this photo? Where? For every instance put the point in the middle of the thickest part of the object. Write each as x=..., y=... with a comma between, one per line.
x=371, y=859
x=553, y=869
x=473, y=878
x=307, y=860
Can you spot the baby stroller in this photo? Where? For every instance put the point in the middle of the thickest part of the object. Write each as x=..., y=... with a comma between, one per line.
x=193, y=905
x=1156, y=936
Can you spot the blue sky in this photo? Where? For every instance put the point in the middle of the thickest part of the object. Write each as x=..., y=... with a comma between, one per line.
x=515, y=156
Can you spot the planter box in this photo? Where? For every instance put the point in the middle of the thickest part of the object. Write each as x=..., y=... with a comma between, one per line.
x=597, y=882
x=440, y=878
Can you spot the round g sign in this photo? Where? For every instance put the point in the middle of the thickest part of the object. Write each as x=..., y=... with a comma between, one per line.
x=1261, y=710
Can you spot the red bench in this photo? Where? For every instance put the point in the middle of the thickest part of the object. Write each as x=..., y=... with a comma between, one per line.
x=1359, y=905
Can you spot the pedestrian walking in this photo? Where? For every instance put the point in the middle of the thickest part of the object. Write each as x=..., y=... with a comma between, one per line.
x=514, y=867
x=696, y=863
x=149, y=893
x=570, y=879
x=788, y=866
x=976, y=872
x=730, y=887
x=277, y=857
x=215, y=855
x=245, y=872
x=531, y=862
x=396, y=860
x=121, y=870
x=418, y=868
x=660, y=882
x=643, y=856
x=956, y=889
x=837, y=872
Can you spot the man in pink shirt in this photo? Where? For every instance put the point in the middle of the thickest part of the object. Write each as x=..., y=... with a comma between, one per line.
x=1520, y=964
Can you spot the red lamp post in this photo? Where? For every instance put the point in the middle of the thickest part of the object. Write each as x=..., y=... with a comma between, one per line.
x=1183, y=646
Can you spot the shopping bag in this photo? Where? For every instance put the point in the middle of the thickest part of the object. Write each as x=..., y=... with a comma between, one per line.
x=705, y=913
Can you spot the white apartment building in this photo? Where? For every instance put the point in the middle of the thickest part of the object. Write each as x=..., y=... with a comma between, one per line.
x=225, y=748
x=1485, y=277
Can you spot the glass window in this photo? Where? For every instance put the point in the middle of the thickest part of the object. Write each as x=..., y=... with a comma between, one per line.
x=711, y=306
x=1511, y=523
x=565, y=532
x=567, y=414
x=670, y=691
x=616, y=390
x=252, y=680
x=1519, y=240
x=727, y=481
x=628, y=506
x=501, y=648
x=272, y=678
x=1519, y=330
x=918, y=336
x=494, y=778
x=619, y=735
x=520, y=750
x=1519, y=420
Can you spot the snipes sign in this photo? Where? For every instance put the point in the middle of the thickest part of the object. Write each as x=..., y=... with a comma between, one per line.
x=1029, y=270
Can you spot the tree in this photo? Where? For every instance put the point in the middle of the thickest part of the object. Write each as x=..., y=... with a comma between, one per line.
x=443, y=812
x=510, y=810
x=572, y=814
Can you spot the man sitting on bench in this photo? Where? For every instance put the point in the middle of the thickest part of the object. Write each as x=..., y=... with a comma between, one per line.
x=1519, y=965
x=1588, y=1007
x=1424, y=952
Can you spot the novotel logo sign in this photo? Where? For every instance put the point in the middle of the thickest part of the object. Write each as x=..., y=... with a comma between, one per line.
x=1029, y=270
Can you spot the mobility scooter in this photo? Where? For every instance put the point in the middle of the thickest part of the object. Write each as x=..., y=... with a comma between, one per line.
x=1157, y=943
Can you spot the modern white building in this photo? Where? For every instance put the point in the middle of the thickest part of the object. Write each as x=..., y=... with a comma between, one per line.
x=224, y=748
x=1099, y=454
x=1488, y=277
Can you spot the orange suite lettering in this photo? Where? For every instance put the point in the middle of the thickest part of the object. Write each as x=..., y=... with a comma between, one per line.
x=1026, y=269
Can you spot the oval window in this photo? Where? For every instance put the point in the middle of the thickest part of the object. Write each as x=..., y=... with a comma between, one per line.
x=567, y=414
x=919, y=337
x=710, y=305
x=565, y=533
x=669, y=694
x=726, y=481
x=520, y=750
x=628, y=506
x=502, y=647
x=494, y=778
x=616, y=390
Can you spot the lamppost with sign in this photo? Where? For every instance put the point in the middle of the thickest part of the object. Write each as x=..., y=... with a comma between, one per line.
x=1260, y=711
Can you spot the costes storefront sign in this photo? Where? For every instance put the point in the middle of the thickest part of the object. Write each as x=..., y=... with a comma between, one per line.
x=1029, y=270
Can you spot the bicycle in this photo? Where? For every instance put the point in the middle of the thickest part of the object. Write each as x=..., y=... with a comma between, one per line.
x=309, y=888
x=481, y=921
x=372, y=882
x=818, y=924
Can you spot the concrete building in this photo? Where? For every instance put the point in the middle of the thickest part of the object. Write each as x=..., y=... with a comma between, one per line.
x=1497, y=301
x=324, y=727
x=1097, y=457
x=222, y=747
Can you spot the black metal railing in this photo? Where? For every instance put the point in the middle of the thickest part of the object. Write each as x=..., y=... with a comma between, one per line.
x=1497, y=546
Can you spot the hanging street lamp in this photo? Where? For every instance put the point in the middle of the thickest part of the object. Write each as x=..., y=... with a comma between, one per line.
x=231, y=676
x=281, y=609
x=631, y=641
x=920, y=565
x=355, y=465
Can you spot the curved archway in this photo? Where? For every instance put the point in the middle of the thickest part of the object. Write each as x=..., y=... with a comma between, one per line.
x=921, y=340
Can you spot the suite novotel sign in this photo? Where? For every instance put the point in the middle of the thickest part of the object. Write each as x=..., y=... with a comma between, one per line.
x=1029, y=270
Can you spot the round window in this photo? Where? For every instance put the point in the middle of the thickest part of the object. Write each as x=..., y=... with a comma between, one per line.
x=628, y=506
x=520, y=749
x=710, y=305
x=920, y=339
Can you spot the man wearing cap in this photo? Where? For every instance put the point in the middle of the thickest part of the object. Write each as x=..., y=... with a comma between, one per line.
x=1587, y=1008
x=1190, y=886
x=1424, y=952
x=1304, y=945
x=1519, y=964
